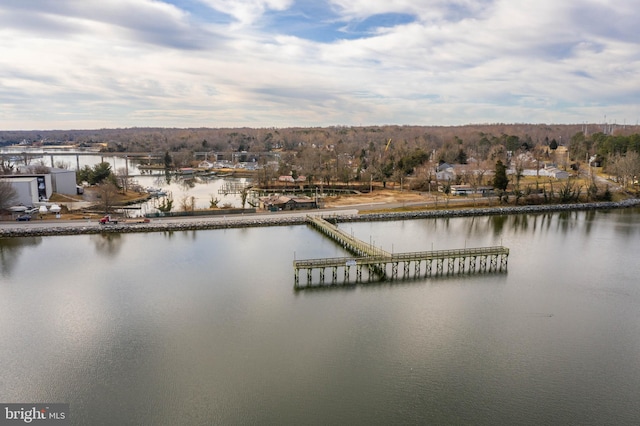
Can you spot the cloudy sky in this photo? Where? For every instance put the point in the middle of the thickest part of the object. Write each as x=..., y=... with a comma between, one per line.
x=79, y=64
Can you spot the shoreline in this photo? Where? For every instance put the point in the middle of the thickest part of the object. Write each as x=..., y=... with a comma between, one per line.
x=261, y=220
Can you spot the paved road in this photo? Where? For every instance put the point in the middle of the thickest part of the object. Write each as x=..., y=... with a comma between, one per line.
x=35, y=223
x=350, y=210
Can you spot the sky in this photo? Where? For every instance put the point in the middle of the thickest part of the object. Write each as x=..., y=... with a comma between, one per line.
x=88, y=64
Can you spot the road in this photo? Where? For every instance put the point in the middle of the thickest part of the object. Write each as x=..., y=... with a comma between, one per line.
x=35, y=223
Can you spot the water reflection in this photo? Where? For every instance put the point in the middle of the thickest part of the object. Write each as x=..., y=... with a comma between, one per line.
x=202, y=327
x=498, y=222
x=108, y=244
x=11, y=250
x=186, y=183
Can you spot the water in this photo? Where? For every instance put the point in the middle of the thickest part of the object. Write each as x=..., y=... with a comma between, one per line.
x=202, y=190
x=204, y=327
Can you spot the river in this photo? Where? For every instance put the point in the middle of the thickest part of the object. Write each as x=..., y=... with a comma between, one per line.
x=205, y=327
x=201, y=190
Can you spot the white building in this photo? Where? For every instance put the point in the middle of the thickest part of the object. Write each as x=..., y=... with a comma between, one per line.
x=63, y=181
x=60, y=181
x=445, y=172
x=552, y=172
x=36, y=187
x=26, y=190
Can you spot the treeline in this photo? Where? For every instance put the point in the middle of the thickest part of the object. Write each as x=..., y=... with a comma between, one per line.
x=604, y=145
x=346, y=154
x=265, y=139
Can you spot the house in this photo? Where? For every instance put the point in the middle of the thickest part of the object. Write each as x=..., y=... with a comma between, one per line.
x=554, y=172
x=282, y=202
x=547, y=171
x=445, y=172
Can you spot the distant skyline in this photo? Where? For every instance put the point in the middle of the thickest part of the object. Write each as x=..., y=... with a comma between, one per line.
x=87, y=64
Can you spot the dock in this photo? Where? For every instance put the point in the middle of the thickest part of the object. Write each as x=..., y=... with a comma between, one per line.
x=371, y=264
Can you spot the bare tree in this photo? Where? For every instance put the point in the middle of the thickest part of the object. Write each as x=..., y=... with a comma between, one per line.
x=107, y=192
x=244, y=193
x=26, y=157
x=187, y=204
x=6, y=167
x=40, y=168
x=8, y=194
x=626, y=167
x=123, y=179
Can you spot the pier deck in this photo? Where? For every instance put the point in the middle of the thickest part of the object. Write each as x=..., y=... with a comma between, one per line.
x=374, y=264
x=350, y=243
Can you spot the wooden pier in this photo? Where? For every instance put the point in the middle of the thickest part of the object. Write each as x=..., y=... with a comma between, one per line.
x=353, y=245
x=372, y=264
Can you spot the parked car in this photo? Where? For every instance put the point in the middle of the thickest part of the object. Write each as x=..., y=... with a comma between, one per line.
x=23, y=217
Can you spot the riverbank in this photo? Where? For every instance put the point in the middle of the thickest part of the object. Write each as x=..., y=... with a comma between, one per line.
x=270, y=219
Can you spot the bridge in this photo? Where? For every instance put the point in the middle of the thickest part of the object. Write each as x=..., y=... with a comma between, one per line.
x=373, y=264
x=27, y=155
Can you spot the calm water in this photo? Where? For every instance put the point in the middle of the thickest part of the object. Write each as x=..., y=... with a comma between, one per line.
x=202, y=189
x=205, y=327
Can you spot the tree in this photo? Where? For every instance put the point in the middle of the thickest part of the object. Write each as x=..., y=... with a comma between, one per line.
x=500, y=180
x=461, y=158
x=213, y=202
x=83, y=174
x=123, y=179
x=101, y=171
x=6, y=167
x=96, y=175
x=107, y=191
x=166, y=205
x=187, y=204
x=8, y=194
x=625, y=167
x=40, y=168
x=244, y=193
x=168, y=161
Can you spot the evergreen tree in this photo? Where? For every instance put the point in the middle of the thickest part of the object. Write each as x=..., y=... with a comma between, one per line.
x=167, y=160
x=500, y=180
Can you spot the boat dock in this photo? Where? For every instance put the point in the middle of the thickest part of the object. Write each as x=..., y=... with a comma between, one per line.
x=374, y=264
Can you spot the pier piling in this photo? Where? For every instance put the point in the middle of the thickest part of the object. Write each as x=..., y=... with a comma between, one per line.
x=377, y=262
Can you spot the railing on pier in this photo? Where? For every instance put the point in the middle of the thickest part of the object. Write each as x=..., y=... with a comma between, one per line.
x=374, y=264
x=348, y=242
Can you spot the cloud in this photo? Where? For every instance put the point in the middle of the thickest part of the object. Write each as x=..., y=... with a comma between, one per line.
x=146, y=21
x=247, y=12
x=280, y=62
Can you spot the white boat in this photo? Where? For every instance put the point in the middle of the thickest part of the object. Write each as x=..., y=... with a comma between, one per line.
x=55, y=208
x=17, y=209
